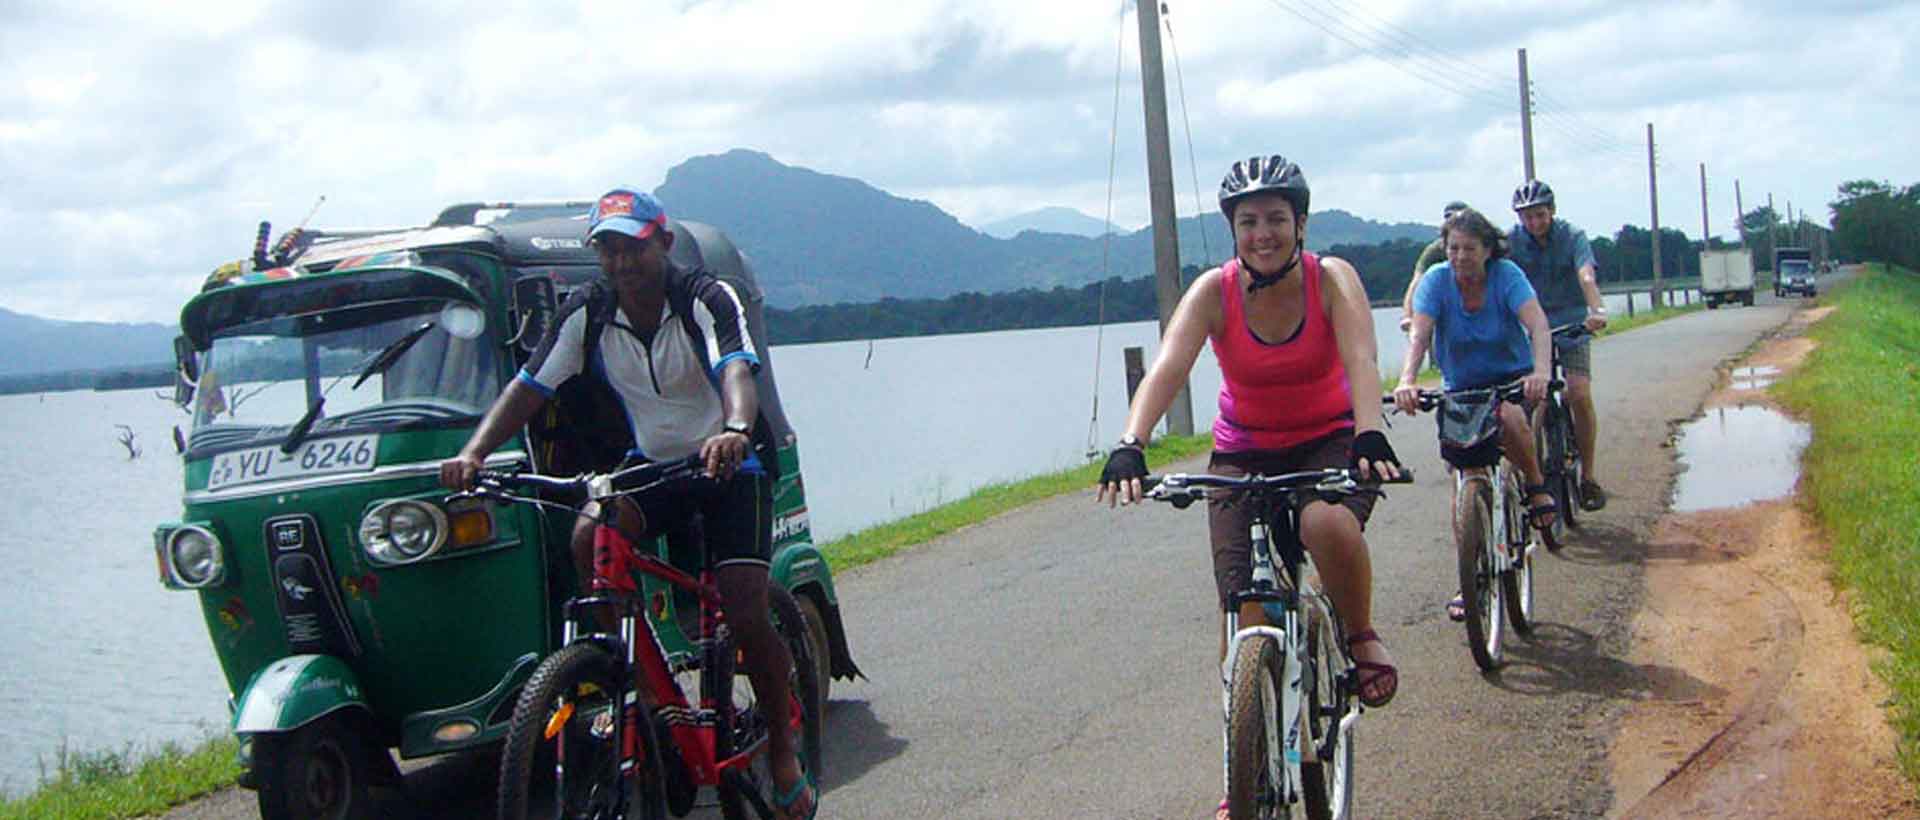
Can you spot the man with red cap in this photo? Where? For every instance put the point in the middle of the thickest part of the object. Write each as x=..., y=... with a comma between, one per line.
x=674, y=347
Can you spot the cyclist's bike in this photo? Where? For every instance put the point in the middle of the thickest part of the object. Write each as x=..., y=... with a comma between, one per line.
x=1291, y=689
x=1558, y=447
x=608, y=712
x=1490, y=528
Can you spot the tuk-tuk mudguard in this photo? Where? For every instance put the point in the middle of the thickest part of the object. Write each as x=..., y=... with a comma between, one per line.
x=294, y=691
x=800, y=567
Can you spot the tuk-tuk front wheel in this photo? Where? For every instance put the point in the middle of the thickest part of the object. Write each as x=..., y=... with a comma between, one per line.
x=319, y=770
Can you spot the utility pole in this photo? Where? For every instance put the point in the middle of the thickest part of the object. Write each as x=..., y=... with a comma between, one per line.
x=1773, y=221
x=1166, y=239
x=1526, y=118
x=1706, y=225
x=1738, y=205
x=1653, y=194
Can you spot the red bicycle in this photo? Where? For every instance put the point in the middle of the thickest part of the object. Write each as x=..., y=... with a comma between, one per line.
x=609, y=710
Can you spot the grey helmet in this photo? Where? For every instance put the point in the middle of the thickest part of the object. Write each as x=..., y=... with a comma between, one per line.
x=1264, y=175
x=1534, y=192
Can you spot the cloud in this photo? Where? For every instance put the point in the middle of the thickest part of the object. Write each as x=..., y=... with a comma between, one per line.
x=140, y=144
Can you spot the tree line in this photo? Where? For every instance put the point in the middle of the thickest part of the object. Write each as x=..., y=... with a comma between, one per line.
x=1385, y=269
x=1877, y=221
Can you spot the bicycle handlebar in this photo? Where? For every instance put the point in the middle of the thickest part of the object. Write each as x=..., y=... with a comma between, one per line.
x=1511, y=391
x=1182, y=489
x=639, y=479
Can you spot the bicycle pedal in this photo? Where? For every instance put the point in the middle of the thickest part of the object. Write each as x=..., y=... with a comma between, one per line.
x=602, y=726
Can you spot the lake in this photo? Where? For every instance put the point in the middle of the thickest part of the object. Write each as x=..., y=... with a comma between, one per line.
x=100, y=656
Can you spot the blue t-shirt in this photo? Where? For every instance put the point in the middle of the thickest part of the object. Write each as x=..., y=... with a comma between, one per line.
x=1484, y=347
x=1553, y=269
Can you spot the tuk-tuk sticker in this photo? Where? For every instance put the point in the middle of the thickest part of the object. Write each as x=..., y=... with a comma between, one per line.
x=790, y=524
x=660, y=605
x=353, y=585
x=234, y=615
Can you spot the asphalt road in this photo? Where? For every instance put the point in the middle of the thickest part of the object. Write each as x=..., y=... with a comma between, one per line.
x=1059, y=661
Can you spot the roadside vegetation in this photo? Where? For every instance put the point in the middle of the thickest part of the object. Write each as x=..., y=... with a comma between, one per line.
x=877, y=542
x=115, y=784
x=1861, y=391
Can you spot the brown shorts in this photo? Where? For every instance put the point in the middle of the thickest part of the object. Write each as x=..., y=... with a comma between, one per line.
x=1229, y=526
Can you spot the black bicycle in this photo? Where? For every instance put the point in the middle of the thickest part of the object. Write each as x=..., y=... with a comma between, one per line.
x=1290, y=689
x=1558, y=447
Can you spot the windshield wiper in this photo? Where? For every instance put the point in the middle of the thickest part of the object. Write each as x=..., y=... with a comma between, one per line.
x=392, y=353
x=379, y=364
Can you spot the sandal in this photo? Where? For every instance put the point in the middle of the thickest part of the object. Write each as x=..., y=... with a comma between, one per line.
x=787, y=806
x=1384, y=678
x=1537, y=513
x=1592, y=497
x=1457, y=609
x=1223, y=813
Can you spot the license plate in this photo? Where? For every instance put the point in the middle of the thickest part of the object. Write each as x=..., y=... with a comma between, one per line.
x=350, y=454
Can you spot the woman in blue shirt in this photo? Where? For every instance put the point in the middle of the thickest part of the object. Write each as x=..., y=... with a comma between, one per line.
x=1484, y=323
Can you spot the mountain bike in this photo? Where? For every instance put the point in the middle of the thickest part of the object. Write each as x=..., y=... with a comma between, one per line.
x=1290, y=690
x=1494, y=554
x=609, y=709
x=1558, y=446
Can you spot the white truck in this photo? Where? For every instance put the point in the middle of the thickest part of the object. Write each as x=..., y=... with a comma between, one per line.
x=1726, y=276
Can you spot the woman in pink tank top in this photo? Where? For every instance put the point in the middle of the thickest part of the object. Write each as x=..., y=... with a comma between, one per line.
x=1293, y=334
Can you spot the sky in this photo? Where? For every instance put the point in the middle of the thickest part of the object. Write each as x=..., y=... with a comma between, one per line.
x=141, y=143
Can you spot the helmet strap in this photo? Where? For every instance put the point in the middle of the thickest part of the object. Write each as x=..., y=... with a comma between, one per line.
x=1262, y=280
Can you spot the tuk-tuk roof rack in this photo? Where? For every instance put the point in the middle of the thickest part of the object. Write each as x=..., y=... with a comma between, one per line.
x=467, y=213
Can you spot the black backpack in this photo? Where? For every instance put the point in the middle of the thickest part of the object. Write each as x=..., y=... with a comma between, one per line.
x=585, y=412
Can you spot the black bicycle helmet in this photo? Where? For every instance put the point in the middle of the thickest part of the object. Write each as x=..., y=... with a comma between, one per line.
x=1534, y=192
x=1264, y=175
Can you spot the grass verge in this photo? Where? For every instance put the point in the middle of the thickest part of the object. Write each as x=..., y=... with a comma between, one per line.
x=1861, y=391
x=880, y=541
x=127, y=783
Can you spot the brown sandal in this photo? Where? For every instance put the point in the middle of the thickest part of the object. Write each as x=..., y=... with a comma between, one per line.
x=1373, y=675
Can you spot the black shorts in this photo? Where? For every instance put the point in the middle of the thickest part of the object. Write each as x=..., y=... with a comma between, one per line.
x=1228, y=525
x=734, y=522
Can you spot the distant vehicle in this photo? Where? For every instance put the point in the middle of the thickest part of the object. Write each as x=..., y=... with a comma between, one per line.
x=1793, y=272
x=1726, y=276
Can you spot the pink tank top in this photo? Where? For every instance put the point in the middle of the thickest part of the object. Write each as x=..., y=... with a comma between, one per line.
x=1274, y=396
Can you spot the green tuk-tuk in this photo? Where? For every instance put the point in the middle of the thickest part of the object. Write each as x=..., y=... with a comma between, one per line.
x=353, y=609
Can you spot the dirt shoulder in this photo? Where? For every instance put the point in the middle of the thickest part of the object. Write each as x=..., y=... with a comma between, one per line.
x=1764, y=704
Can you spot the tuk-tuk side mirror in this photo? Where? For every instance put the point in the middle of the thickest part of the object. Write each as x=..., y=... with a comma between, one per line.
x=534, y=303
x=186, y=374
x=183, y=355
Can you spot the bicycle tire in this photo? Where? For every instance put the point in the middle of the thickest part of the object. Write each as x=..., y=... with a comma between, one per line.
x=1548, y=448
x=791, y=625
x=1327, y=787
x=587, y=678
x=1516, y=582
x=1254, y=696
x=1473, y=546
x=1567, y=453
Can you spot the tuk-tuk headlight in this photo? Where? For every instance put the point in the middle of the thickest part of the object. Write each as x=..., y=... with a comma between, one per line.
x=193, y=557
x=402, y=532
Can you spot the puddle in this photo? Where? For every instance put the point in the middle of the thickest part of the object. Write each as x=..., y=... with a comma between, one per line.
x=1737, y=455
x=1752, y=378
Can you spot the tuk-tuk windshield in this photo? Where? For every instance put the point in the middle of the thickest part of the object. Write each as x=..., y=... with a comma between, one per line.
x=258, y=379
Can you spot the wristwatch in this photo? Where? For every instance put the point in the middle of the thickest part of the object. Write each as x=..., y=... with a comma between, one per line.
x=737, y=427
x=1131, y=440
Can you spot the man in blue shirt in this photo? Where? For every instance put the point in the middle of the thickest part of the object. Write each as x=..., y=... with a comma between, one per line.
x=1559, y=263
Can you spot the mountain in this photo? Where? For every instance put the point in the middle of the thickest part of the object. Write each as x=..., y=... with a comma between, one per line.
x=1054, y=219
x=820, y=239
x=37, y=345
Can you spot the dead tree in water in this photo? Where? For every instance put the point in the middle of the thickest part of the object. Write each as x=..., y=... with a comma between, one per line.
x=126, y=440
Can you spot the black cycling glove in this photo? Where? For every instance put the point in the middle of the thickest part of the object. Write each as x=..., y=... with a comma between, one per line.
x=1124, y=463
x=1372, y=445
